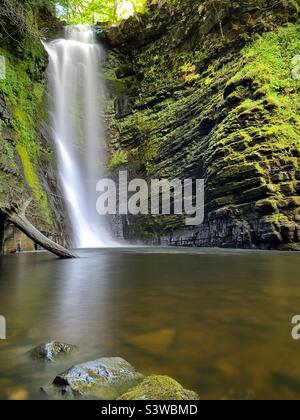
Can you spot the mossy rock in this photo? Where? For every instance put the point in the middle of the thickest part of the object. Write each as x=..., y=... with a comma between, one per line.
x=222, y=108
x=27, y=165
x=157, y=387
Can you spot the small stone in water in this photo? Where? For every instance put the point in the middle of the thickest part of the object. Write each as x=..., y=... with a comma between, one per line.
x=50, y=351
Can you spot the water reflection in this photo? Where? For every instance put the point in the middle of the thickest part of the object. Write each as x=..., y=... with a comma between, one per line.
x=217, y=321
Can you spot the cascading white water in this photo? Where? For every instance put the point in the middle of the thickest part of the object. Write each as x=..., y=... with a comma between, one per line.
x=76, y=93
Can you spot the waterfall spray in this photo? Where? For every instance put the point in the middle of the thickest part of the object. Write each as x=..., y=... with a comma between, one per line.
x=76, y=111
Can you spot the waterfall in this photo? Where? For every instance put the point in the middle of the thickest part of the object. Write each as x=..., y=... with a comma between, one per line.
x=76, y=93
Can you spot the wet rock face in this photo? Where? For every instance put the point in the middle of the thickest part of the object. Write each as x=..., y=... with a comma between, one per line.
x=122, y=107
x=197, y=20
x=102, y=379
x=52, y=350
x=27, y=164
x=158, y=387
x=5, y=111
x=212, y=96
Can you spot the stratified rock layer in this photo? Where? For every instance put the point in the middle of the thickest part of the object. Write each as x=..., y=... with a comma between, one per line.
x=207, y=89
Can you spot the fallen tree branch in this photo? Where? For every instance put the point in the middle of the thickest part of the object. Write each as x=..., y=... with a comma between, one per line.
x=17, y=217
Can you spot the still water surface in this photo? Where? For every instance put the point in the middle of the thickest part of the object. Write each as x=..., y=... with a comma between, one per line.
x=218, y=321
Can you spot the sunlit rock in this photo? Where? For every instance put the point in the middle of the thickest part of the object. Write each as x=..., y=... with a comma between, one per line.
x=102, y=379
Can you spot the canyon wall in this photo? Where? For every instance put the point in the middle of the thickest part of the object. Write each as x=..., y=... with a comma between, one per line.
x=210, y=89
x=27, y=159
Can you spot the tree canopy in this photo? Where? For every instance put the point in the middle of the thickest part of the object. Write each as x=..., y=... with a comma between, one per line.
x=18, y=17
x=91, y=11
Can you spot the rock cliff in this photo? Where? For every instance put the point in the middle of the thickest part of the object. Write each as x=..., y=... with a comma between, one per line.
x=27, y=160
x=210, y=89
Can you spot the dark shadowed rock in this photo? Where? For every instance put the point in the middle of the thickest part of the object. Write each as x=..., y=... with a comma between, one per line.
x=102, y=379
x=158, y=387
x=123, y=106
x=5, y=111
x=125, y=71
x=50, y=351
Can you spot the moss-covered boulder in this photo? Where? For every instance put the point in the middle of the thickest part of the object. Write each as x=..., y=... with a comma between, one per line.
x=102, y=379
x=51, y=351
x=157, y=387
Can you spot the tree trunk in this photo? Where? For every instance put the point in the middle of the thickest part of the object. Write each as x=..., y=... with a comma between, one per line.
x=2, y=221
x=21, y=222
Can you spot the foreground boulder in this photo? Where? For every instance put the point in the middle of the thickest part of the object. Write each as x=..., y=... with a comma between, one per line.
x=50, y=351
x=103, y=379
x=159, y=388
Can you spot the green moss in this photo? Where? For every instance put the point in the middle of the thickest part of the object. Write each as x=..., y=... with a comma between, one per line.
x=189, y=72
x=268, y=63
x=267, y=206
x=9, y=152
x=252, y=102
x=144, y=124
x=157, y=387
x=118, y=159
x=148, y=152
x=33, y=180
x=24, y=94
x=116, y=86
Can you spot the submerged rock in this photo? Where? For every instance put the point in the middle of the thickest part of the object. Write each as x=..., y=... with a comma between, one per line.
x=50, y=351
x=158, y=387
x=17, y=394
x=103, y=379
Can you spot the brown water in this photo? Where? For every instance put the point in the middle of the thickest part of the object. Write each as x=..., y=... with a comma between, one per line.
x=217, y=321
